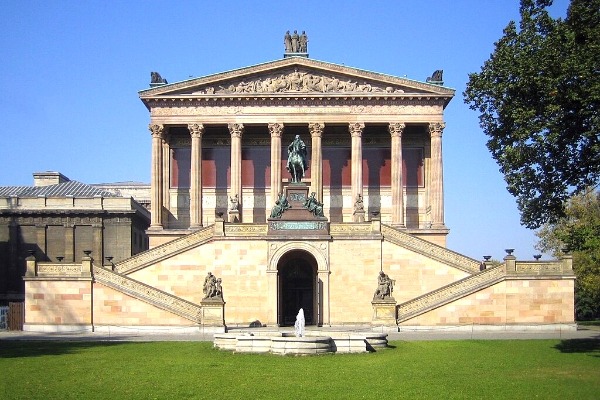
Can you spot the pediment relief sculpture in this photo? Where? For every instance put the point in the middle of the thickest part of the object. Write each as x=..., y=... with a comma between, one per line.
x=299, y=82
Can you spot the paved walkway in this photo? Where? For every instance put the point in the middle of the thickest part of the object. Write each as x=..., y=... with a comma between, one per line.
x=410, y=335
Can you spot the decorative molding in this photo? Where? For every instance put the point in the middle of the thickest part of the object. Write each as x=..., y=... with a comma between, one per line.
x=59, y=269
x=246, y=230
x=450, y=293
x=164, y=251
x=541, y=268
x=149, y=294
x=350, y=229
x=430, y=250
x=316, y=106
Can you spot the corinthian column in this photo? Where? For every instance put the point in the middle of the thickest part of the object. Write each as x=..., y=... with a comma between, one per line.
x=356, y=130
x=276, y=130
x=316, y=159
x=396, y=130
x=437, y=176
x=236, y=131
x=196, y=131
x=156, y=187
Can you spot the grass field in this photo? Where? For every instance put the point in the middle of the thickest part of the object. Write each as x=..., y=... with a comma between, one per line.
x=516, y=369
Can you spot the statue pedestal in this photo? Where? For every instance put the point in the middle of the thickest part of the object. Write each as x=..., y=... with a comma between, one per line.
x=384, y=311
x=213, y=313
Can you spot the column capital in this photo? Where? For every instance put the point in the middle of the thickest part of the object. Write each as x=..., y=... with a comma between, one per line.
x=436, y=129
x=356, y=129
x=276, y=129
x=316, y=129
x=196, y=130
x=236, y=130
x=156, y=130
x=396, y=129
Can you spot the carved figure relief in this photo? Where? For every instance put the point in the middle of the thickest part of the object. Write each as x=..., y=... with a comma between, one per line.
x=299, y=81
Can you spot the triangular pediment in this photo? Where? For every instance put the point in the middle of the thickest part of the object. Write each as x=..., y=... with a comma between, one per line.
x=297, y=76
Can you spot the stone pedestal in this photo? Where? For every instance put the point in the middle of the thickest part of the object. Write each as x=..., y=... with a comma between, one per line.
x=213, y=313
x=297, y=220
x=384, y=311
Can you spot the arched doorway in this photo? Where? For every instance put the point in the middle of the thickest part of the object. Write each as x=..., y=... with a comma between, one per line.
x=297, y=287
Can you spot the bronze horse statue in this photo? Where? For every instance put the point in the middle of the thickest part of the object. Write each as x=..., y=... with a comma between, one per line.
x=297, y=164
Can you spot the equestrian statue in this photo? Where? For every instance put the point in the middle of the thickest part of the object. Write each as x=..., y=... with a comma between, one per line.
x=297, y=164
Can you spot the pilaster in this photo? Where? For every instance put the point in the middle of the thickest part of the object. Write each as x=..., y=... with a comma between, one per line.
x=196, y=131
x=437, y=176
x=316, y=160
x=396, y=130
x=276, y=130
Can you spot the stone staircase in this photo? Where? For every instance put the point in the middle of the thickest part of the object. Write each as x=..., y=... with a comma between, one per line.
x=450, y=293
x=164, y=251
x=148, y=294
x=430, y=250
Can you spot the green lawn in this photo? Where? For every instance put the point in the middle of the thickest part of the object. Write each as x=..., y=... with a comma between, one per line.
x=516, y=369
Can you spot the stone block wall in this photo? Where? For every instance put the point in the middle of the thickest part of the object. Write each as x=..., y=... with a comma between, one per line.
x=514, y=301
x=58, y=302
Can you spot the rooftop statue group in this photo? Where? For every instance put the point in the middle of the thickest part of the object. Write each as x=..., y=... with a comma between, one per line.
x=295, y=43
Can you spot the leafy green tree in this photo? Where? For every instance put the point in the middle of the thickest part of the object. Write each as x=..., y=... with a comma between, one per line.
x=579, y=231
x=539, y=99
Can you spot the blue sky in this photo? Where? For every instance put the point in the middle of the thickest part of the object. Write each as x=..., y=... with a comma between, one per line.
x=71, y=70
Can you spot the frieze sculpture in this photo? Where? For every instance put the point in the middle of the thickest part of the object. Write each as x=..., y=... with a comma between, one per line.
x=156, y=78
x=299, y=81
x=296, y=163
x=212, y=288
x=281, y=204
x=385, y=287
x=314, y=206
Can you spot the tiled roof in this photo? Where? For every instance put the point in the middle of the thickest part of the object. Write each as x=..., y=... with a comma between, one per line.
x=70, y=188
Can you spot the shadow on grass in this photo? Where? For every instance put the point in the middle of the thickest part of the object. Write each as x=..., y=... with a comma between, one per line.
x=27, y=348
x=591, y=346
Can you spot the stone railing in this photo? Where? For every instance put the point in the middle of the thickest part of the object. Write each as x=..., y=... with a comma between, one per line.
x=449, y=293
x=429, y=249
x=148, y=294
x=164, y=251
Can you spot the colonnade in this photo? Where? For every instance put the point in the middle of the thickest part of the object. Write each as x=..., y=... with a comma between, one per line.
x=160, y=184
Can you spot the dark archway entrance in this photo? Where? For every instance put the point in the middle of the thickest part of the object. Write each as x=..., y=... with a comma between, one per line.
x=297, y=287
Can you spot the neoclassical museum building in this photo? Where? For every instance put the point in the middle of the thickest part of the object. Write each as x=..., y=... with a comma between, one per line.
x=358, y=238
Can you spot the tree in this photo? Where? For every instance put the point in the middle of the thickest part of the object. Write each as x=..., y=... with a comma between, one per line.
x=579, y=231
x=539, y=99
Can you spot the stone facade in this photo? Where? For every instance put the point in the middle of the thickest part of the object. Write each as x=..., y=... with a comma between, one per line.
x=219, y=158
x=57, y=220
